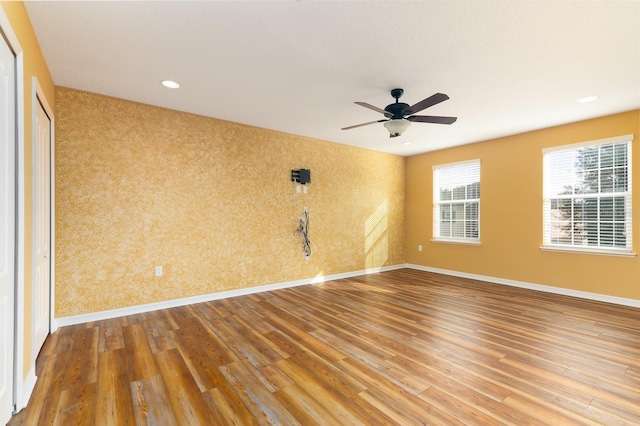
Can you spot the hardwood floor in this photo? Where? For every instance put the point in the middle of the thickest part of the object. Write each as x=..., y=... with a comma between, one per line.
x=400, y=347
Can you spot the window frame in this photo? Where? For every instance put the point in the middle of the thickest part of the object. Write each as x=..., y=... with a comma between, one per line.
x=437, y=204
x=548, y=197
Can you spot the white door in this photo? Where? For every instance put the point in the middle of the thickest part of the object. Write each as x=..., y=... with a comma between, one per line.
x=7, y=226
x=42, y=231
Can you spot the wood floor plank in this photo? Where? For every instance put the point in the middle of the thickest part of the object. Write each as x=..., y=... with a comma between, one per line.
x=139, y=356
x=402, y=347
x=264, y=345
x=318, y=310
x=87, y=412
x=224, y=412
x=408, y=414
x=519, y=382
x=202, y=353
x=250, y=345
x=303, y=340
x=445, y=373
x=67, y=408
x=625, y=409
x=216, y=347
x=151, y=404
x=158, y=330
x=110, y=335
x=303, y=407
x=304, y=379
x=113, y=399
x=406, y=374
x=552, y=414
x=612, y=415
x=263, y=405
x=82, y=367
x=354, y=346
x=392, y=400
x=187, y=402
x=457, y=408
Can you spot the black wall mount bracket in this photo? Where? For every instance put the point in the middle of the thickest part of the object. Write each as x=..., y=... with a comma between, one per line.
x=302, y=176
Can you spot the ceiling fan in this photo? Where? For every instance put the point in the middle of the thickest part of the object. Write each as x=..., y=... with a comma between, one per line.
x=400, y=115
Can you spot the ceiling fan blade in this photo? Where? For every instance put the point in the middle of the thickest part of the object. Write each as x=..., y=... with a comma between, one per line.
x=426, y=103
x=381, y=111
x=363, y=124
x=432, y=119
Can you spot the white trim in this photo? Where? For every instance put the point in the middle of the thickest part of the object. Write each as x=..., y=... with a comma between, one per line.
x=27, y=387
x=459, y=174
x=138, y=309
x=598, y=251
x=635, y=303
x=614, y=139
x=38, y=98
x=466, y=242
x=52, y=230
x=458, y=163
x=20, y=251
x=19, y=382
x=552, y=177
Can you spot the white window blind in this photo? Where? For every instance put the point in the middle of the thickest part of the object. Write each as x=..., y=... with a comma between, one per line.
x=456, y=201
x=587, y=196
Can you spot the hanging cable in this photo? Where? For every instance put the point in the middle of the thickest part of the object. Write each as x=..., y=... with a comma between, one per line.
x=303, y=231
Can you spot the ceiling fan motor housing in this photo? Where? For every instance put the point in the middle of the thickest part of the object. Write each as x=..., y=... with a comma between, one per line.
x=397, y=109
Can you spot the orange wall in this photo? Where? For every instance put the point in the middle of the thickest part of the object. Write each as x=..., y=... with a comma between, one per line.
x=209, y=200
x=511, y=213
x=34, y=65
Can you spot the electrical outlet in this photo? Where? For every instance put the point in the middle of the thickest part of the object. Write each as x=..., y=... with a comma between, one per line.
x=420, y=247
x=158, y=271
x=305, y=189
x=297, y=189
x=306, y=257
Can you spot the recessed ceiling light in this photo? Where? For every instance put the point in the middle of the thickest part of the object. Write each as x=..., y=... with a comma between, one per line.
x=170, y=84
x=587, y=99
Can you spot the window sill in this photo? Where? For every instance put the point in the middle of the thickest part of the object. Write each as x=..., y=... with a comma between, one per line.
x=452, y=241
x=601, y=252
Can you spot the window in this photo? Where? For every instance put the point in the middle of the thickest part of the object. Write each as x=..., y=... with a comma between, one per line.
x=456, y=202
x=587, y=196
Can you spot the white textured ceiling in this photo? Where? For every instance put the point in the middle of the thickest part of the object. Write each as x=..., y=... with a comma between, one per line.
x=298, y=66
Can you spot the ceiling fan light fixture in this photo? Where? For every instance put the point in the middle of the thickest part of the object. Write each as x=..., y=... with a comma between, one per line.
x=396, y=126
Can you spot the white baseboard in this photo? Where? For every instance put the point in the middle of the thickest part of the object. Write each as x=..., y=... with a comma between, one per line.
x=131, y=310
x=138, y=309
x=538, y=287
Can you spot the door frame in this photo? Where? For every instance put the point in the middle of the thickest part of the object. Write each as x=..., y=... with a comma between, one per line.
x=38, y=97
x=18, y=339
